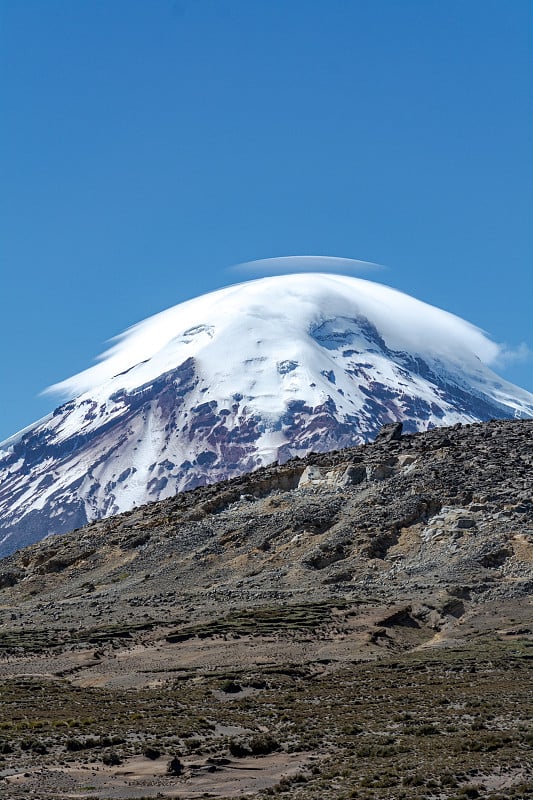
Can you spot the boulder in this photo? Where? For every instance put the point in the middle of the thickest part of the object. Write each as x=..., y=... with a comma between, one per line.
x=392, y=432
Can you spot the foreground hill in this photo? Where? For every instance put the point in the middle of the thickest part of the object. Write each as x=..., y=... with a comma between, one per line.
x=351, y=624
x=237, y=379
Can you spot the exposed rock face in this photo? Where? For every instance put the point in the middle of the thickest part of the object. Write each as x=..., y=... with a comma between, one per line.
x=390, y=433
x=447, y=511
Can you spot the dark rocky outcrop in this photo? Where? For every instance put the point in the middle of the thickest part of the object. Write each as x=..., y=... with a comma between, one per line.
x=390, y=433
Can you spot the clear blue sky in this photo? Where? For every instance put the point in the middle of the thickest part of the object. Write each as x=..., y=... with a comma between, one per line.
x=148, y=145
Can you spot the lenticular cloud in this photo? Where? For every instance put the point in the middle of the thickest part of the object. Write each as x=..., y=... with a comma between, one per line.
x=265, y=317
x=287, y=265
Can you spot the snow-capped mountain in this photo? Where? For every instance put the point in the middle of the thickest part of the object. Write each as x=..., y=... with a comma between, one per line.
x=238, y=378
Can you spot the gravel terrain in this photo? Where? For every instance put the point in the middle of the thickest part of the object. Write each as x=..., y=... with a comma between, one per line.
x=352, y=624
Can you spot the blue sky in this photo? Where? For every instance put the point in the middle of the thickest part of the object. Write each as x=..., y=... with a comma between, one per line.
x=146, y=147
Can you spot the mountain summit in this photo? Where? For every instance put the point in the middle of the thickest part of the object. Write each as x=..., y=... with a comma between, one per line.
x=254, y=373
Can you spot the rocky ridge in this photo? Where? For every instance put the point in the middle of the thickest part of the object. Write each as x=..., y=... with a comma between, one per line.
x=448, y=510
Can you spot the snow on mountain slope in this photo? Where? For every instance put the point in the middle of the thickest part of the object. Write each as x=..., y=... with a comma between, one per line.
x=241, y=377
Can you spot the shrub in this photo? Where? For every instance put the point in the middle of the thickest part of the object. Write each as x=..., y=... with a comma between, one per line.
x=175, y=767
x=261, y=744
x=152, y=752
x=231, y=687
x=73, y=745
x=426, y=730
x=111, y=759
x=239, y=749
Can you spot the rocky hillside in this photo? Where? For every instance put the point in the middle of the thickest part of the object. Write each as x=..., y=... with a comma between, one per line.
x=245, y=600
x=449, y=508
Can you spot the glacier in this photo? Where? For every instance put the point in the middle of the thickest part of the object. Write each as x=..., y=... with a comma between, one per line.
x=253, y=373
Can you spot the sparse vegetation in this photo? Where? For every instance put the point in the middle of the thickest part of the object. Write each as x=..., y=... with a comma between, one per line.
x=375, y=725
x=196, y=643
